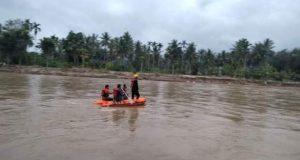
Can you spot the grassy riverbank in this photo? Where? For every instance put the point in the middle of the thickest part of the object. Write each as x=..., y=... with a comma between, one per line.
x=96, y=73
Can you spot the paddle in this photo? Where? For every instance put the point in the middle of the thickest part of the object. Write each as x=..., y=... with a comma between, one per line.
x=130, y=100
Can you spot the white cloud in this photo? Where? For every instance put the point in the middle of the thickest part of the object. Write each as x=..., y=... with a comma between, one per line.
x=214, y=24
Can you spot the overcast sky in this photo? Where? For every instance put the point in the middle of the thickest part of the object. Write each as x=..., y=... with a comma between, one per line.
x=214, y=24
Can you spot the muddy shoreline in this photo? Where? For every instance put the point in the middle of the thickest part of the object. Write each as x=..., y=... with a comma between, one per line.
x=95, y=73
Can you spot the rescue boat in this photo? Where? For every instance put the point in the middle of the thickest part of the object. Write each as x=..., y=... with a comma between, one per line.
x=125, y=103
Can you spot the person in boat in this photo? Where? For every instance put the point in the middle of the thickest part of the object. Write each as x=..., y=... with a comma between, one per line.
x=135, y=87
x=105, y=94
x=124, y=92
x=117, y=92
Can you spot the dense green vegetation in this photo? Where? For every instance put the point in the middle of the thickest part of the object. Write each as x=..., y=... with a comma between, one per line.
x=245, y=60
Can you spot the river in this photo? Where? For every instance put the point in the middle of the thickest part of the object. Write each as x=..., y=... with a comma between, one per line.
x=54, y=117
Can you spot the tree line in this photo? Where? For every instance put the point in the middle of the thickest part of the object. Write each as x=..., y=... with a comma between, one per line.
x=245, y=60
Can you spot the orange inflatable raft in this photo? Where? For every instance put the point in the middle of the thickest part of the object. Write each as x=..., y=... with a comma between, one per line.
x=125, y=103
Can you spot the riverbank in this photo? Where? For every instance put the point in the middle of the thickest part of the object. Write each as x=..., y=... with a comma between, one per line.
x=96, y=73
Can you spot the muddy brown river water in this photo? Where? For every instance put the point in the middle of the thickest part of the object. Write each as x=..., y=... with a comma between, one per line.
x=53, y=118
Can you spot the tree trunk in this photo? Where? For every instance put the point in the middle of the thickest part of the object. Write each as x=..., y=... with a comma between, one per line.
x=141, y=68
x=105, y=55
x=52, y=58
x=245, y=66
x=182, y=66
x=172, y=68
x=7, y=60
x=20, y=60
x=34, y=59
x=74, y=59
x=83, y=61
x=148, y=63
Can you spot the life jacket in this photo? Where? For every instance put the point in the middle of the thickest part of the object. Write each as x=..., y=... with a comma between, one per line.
x=116, y=92
x=105, y=92
x=134, y=85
